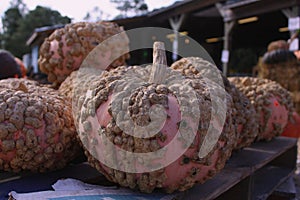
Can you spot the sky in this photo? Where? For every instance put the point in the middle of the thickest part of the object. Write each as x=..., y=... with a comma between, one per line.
x=77, y=9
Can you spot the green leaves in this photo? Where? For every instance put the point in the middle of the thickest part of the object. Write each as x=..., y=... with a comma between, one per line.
x=19, y=25
x=129, y=7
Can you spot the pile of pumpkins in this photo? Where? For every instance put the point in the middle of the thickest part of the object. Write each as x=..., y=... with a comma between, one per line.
x=282, y=65
x=180, y=125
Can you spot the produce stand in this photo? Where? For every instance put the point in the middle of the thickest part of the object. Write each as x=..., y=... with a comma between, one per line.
x=261, y=171
x=252, y=173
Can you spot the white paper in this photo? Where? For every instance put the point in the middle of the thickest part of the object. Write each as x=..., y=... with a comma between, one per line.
x=70, y=184
x=294, y=23
x=72, y=189
x=225, y=56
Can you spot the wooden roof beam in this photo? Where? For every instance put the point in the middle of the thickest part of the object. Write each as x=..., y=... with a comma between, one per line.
x=249, y=8
x=291, y=12
x=182, y=8
x=260, y=7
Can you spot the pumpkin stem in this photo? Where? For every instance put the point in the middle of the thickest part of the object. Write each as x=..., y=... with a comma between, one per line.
x=159, y=63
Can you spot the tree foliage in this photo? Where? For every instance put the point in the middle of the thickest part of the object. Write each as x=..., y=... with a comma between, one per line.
x=18, y=25
x=20, y=5
x=10, y=21
x=131, y=7
x=96, y=14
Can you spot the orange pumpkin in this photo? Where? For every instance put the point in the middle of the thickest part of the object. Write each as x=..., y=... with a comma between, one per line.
x=22, y=67
x=293, y=127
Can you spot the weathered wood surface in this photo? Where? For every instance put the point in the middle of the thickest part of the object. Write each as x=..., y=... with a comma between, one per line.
x=248, y=164
x=251, y=173
x=286, y=190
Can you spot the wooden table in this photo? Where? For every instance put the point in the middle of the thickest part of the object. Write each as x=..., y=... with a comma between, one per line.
x=252, y=173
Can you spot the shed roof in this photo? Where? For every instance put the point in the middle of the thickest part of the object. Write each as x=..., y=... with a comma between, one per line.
x=42, y=31
x=236, y=9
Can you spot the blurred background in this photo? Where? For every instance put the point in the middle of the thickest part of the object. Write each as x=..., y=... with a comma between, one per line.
x=235, y=33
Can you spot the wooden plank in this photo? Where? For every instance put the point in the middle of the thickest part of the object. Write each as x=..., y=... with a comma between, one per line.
x=9, y=176
x=260, y=153
x=267, y=179
x=235, y=177
x=286, y=190
x=211, y=189
x=181, y=8
x=250, y=159
x=278, y=144
x=287, y=159
x=31, y=182
x=238, y=4
x=241, y=165
x=260, y=7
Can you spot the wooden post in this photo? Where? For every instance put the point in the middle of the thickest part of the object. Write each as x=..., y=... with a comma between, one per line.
x=228, y=26
x=291, y=13
x=175, y=23
x=227, y=15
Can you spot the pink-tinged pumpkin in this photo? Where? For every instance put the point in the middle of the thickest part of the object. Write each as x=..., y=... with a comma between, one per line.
x=273, y=104
x=282, y=66
x=119, y=107
x=246, y=126
x=66, y=48
x=9, y=67
x=292, y=129
x=297, y=54
x=37, y=131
